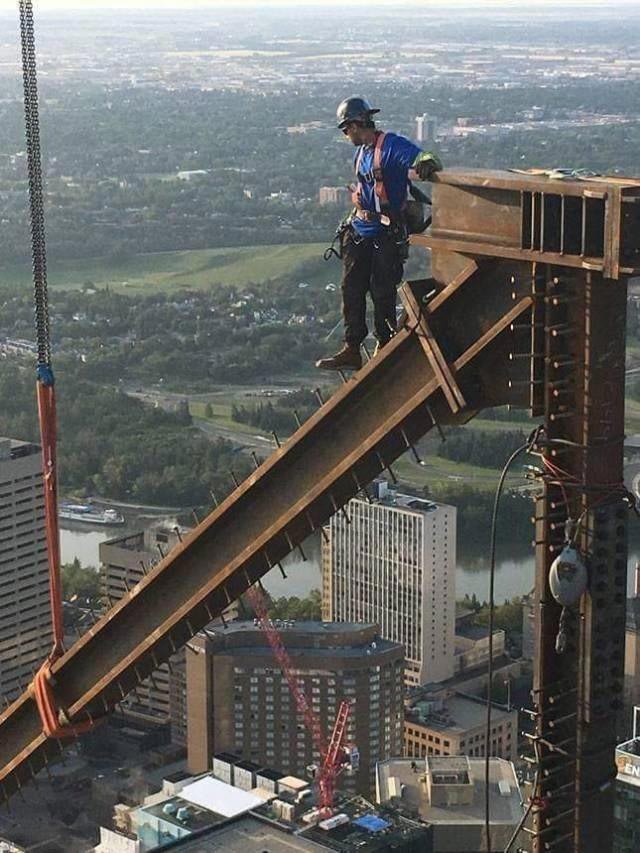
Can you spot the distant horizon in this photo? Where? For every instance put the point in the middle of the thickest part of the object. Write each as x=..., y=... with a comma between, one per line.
x=424, y=5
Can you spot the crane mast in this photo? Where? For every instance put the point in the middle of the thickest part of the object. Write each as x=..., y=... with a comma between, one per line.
x=331, y=754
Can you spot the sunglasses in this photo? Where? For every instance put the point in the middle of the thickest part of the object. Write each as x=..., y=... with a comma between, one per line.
x=348, y=127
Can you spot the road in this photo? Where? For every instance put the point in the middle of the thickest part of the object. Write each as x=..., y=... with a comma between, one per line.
x=261, y=444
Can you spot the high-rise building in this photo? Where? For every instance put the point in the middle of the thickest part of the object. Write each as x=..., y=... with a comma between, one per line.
x=25, y=610
x=392, y=562
x=239, y=701
x=626, y=827
x=426, y=127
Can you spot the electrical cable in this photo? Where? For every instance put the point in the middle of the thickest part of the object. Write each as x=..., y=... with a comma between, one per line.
x=530, y=443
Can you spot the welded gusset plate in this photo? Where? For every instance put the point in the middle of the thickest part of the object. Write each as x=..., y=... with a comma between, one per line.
x=371, y=421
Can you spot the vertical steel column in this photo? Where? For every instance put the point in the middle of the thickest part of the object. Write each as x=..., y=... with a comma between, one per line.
x=577, y=690
x=604, y=541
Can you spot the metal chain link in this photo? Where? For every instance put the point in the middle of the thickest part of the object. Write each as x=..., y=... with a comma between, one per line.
x=34, y=165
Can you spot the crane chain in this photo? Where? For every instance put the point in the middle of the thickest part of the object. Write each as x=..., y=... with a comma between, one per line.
x=34, y=165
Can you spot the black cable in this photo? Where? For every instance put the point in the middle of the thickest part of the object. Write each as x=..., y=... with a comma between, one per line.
x=531, y=441
x=527, y=811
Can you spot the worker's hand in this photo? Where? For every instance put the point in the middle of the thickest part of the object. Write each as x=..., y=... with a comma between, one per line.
x=426, y=165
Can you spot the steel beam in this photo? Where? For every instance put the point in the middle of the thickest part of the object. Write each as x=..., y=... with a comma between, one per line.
x=526, y=305
x=366, y=425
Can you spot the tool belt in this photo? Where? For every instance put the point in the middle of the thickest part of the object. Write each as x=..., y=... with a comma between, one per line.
x=372, y=216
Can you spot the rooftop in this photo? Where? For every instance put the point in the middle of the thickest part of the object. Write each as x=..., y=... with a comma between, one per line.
x=303, y=627
x=386, y=496
x=309, y=639
x=13, y=448
x=248, y=835
x=199, y=817
x=506, y=808
x=457, y=713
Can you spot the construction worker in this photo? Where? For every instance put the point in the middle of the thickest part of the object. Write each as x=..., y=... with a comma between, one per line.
x=374, y=237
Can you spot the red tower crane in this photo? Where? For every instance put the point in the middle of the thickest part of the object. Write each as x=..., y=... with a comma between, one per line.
x=332, y=755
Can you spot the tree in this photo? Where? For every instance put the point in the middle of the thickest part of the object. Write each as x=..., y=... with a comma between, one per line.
x=307, y=609
x=83, y=582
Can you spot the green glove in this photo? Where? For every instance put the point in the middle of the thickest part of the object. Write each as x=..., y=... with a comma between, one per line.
x=426, y=165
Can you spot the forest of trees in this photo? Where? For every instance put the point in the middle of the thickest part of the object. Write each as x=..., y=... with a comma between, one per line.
x=279, y=417
x=115, y=446
x=124, y=199
x=481, y=447
x=475, y=508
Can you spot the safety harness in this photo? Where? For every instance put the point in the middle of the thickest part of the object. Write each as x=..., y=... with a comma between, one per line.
x=381, y=197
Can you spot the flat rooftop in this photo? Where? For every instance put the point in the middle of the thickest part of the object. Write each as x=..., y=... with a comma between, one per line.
x=248, y=835
x=199, y=817
x=410, y=503
x=13, y=448
x=459, y=714
x=505, y=809
x=245, y=625
x=308, y=639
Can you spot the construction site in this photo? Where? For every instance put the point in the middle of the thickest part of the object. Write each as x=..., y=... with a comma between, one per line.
x=524, y=306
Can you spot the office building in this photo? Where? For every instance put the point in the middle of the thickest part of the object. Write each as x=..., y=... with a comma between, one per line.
x=626, y=827
x=239, y=700
x=393, y=563
x=455, y=724
x=25, y=610
x=449, y=794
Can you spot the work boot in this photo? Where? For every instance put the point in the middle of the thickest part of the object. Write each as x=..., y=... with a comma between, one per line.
x=349, y=358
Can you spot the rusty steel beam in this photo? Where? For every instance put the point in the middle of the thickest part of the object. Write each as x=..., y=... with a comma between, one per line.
x=369, y=423
x=525, y=306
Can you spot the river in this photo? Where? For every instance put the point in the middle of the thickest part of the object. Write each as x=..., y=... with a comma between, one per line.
x=514, y=564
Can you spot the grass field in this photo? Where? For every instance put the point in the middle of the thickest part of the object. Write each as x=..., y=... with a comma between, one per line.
x=168, y=271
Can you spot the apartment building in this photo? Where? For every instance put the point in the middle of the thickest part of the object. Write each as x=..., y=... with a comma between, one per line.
x=25, y=610
x=239, y=700
x=392, y=562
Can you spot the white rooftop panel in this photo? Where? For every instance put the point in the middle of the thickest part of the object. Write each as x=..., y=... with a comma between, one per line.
x=210, y=793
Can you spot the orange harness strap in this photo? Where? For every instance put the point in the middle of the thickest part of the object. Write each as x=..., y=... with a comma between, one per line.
x=49, y=710
x=47, y=416
x=379, y=189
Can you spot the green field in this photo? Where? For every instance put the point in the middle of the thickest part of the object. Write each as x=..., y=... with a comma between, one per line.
x=168, y=271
